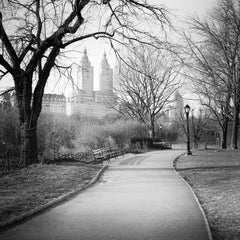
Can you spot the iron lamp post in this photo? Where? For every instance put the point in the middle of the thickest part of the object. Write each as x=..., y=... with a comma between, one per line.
x=160, y=128
x=187, y=110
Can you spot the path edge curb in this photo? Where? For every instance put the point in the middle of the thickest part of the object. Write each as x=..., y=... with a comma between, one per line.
x=209, y=232
x=53, y=202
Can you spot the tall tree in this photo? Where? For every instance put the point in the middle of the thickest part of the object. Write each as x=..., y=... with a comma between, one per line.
x=41, y=31
x=215, y=60
x=147, y=83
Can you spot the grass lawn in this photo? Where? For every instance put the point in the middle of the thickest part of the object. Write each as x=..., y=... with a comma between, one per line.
x=25, y=189
x=215, y=178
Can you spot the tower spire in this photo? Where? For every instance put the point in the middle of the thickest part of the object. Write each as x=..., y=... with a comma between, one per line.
x=85, y=50
x=85, y=60
x=86, y=72
x=106, y=75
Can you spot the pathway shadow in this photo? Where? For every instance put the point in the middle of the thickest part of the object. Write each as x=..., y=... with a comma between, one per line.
x=135, y=160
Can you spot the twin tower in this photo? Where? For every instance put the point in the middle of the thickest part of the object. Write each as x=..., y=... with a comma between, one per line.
x=87, y=101
x=86, y=76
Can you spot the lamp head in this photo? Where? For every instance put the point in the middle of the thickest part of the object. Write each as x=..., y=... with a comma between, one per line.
x=187, y=108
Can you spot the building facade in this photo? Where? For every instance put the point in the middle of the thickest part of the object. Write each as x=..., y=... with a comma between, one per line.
x=54, y=103
x=84, y=100
x=51, y=103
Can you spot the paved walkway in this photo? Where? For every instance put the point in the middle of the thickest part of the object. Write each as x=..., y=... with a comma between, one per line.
x=140, y=197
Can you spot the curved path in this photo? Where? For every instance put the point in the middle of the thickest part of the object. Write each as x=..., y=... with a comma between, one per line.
x=140, y=197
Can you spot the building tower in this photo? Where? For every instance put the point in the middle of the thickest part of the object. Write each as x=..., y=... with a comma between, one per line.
x=176, y=110
x=85, y=73
x=106, y=75
x=179, y=102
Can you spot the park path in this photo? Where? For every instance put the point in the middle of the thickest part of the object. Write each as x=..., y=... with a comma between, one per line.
x=140, y=197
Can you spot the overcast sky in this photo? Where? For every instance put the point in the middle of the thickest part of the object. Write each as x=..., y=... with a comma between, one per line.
x=180, y=8
x=185, y=7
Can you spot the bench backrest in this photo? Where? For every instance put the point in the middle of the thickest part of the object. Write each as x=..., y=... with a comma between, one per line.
x=97, y=152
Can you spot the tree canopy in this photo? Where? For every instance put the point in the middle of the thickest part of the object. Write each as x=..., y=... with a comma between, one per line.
x=147, y=83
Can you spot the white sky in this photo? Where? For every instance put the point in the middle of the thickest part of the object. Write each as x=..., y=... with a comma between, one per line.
x=185, y=7
x=96, y=48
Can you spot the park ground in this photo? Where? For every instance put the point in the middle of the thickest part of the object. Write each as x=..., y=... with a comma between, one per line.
x=213, y=175
x=29, y=188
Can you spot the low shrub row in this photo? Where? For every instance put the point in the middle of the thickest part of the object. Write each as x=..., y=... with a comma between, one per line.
x=71, y=138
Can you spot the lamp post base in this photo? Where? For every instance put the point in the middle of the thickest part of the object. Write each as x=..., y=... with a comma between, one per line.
x=188, y=153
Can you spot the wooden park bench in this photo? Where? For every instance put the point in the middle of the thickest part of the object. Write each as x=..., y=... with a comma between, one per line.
x=116, y=151
x=162, y=145
x=105, y=154
x=100, y=155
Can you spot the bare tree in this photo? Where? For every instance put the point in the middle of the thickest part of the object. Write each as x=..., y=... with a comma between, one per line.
x=41, y=31
x=198, y=126
x=214, y=59
x=146, y=85
x=201, y=127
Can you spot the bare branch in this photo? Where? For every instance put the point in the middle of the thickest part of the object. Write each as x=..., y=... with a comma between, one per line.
x=6, y=65
x=8, y=45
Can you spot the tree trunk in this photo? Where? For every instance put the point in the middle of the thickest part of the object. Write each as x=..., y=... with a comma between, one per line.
x=29, y=147
x=224, y=139
x=234, y=140
x=195, y=143
x=152, y=133
x=29, y=103
x=225, y=124
x=224, y=134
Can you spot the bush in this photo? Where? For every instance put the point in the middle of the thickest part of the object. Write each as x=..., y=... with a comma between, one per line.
x=96, y=134
x=9, y=132
x=63, y=137
x=54, y=132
